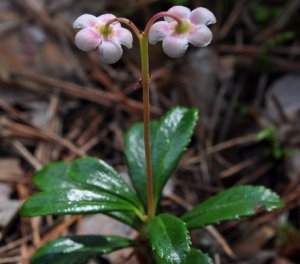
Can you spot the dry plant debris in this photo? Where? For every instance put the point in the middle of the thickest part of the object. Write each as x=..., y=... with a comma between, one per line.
x=59, y=103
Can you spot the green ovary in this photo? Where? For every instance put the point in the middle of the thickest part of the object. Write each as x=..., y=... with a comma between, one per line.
x=105, y=30
x=183, y=27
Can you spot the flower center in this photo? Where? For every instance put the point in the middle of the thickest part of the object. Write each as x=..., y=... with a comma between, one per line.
x=104, y=30
x=182, y=27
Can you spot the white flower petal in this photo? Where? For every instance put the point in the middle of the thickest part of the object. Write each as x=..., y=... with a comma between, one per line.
x=200, y=36
x=84, y=21
x=175, y=46
x=159, y=31
x=180, y=11
x=202, y=15
x=87, y=39
x=110, y=51
x=124, y=36
x=103, y=19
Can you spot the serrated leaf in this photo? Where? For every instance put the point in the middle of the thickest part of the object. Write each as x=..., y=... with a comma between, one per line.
x=53, y=176
x=59, y=192
x=135, y=156
x=76, y=249
x=95, y=172
x=232, y=204
x=169, y=239
x=197, y=257
x=172, y=137
x=73, y=201
x=169, y=139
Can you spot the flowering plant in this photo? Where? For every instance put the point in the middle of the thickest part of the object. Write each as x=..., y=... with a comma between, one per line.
x=152, y=149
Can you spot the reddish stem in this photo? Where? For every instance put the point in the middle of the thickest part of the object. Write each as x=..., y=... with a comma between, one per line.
x=127, y=22
x=158, y=16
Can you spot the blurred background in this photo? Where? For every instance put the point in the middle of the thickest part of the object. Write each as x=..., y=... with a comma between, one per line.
x=59, y=103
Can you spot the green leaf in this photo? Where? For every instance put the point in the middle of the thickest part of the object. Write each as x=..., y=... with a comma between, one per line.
x=128, y=218
x=169, y=139
x=76, y=249
x=135, y=156
x=73, y=201
x=95, y=172
x=172, y=137
x=83, y=186
x=169, y=239
x=53, y=176
x=232, y=204
x=197, y=257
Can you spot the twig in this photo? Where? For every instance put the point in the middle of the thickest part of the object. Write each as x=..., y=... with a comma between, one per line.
x=221, y=240
x=225, y=145
x=87, y=93
x=258, y=173
x=26, y=154
x=54, y=233
x=233, y=17
x=238, y=167
x=35, y=132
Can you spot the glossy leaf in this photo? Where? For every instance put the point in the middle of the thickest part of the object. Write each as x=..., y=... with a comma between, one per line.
x=169, y=239
x=135, y=156
x=53, y=176
x=128, y=218
x=74, y=195
x=197, y=257
x=76, y=249
x=169, y=139
x=73, y=201
x=95, y=172
x=232, y=204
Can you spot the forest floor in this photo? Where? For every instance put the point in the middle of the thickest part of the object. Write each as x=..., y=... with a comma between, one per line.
x=58, y=103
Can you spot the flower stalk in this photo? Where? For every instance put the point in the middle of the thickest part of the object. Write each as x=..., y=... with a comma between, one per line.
x=158, y=16
x=143, y=39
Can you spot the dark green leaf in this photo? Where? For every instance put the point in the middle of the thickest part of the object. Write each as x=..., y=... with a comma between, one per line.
x=73, y=201
x=232, y=204
x=128, y=218
x=95, y=172
x=60, y=189
x=197, y=257
x=53, y=176
x=169, y=239
x=135, y=156
x=75, y=249
x=169, y=139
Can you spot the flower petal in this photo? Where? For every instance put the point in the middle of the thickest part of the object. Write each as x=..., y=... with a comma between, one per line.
x=159, y=31
x=87, y=39
x=180, y=11
x=124, y=36
x=202, y=15
x=103, y=19
x=84, y=21
x=201, y=36
x=175, y=46
x=110, y=51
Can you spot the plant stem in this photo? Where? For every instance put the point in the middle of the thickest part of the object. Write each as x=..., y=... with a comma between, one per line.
x=146, y=102
x=158, y=16
x=126, y=22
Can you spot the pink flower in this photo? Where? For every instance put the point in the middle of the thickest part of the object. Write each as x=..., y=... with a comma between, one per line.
x=193, y=29
x=108, y=41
